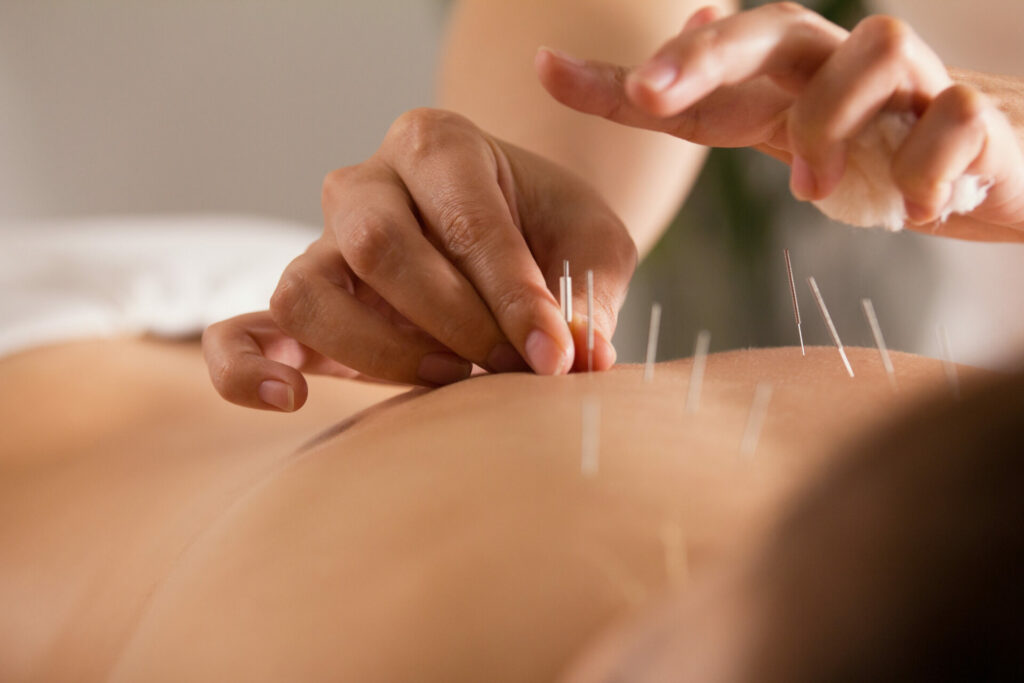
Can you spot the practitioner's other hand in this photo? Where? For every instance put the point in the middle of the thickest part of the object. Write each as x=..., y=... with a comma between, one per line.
x=783, y=79
x=439, y=252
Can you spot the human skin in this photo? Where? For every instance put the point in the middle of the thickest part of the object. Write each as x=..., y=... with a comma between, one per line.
x=113, y=456
x=898, y=561
x=460, y=230
x=779, y=78
x=485, y=75
x=162, y=534
x=786, y=81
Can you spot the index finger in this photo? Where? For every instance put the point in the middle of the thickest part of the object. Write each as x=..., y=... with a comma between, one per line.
x=784, y=41
x=599, y=88
x=463, y=187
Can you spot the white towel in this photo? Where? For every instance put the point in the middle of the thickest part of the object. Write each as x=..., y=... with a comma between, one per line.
x=867, y=196
x=164, y=275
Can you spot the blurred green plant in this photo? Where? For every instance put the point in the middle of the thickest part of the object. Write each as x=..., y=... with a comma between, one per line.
x=747, y=213
x=737, y=200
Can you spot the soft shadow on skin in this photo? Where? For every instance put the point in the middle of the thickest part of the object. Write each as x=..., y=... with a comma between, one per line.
x=237, y=498
x=352, y=420
x=413, y=393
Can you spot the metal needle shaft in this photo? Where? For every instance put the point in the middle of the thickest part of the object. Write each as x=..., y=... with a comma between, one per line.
x=828, y=323
x=652, y=342
x=565, y=292
x=947, y=361
x=590, y=436
x=700, y=359
x=876, y=332
x=590, y=321
x=755, y=421
x=796, y=306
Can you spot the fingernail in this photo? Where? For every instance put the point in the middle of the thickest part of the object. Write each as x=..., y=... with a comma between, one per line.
x=563, y=56
x=801, y=180
x=443, y=367
x=657, y=74
x=545, y=355
x=505, y=358
x=277, y=394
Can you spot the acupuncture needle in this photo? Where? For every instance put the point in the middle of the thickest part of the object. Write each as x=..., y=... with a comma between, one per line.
x=565, y=292
x=796, y=306
x=652, y=342
x=590, y=321
x=947, y=361
x=561, y=288
x=828, y=322
x=590, y=436
x=700, y=359
x=756, y=418
x=673, y=541
x=876, y=332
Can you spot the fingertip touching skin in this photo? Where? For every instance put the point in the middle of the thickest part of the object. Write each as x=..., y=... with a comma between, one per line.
x=460, y=183
x=584, y=231
x=439, y=252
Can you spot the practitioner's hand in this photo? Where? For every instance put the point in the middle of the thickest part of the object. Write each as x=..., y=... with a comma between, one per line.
x=440, y=251
x=783, y=79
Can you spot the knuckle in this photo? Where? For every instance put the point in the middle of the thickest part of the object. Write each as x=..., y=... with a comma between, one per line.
x=334, y=183
x=222, y=373
x=613, y=109
x=809, y=132
x=423, y=130
x=794, y=16
x=912, y=184
x=921, y=185
x=702, y=45
x=961, y=104
x=461, y=232
x=459, y=331
x=789, y=10
x=212, y=335
x=887, y=37
x=627, y=252
x=620, y=249
x=813, y=128
x=289, y=298
x=368, y=245
x=508, y=302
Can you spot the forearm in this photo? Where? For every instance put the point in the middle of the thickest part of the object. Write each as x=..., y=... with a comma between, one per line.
x=487, y=74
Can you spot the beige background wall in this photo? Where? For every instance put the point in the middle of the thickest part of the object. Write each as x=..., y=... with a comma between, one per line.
x=130, y=106
x=184, y=106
